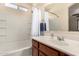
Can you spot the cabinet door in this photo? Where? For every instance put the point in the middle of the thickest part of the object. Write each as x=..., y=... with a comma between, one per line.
x=34, y=51
x=35, y=43
x=48, y=51
x=41, y=54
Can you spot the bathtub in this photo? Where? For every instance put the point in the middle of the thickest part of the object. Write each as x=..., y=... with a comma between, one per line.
x=27, y=51
x=17, y=48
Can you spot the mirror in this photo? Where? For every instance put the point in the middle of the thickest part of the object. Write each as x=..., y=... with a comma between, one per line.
x=63, y=16
x=74, y=17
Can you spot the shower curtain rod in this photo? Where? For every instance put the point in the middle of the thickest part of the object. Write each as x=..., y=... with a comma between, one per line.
x=49, y=12
x=52, y=13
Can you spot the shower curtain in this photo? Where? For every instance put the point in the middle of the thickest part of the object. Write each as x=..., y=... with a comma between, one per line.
x=36, y=18
x=46, y=19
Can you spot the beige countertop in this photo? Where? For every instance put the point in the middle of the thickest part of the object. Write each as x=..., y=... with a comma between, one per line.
x=68, y=46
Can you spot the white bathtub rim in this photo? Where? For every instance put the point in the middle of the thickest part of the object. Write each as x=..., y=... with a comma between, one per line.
x=14, y=51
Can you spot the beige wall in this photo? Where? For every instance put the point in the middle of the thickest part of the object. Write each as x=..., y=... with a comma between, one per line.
x=60, y=23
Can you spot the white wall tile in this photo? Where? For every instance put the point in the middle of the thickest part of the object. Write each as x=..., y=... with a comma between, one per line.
x=18, y=29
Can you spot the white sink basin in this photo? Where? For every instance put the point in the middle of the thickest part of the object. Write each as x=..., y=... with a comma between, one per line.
x=66, y=42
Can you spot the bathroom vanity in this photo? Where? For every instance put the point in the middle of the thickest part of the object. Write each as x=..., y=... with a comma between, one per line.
x=40, y=49
x=48, y=46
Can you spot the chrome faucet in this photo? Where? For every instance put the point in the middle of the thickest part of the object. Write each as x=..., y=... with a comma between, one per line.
x=60, y=38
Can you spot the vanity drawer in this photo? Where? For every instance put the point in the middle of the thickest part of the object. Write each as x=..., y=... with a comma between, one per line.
x=48, y=51
x=35, y=43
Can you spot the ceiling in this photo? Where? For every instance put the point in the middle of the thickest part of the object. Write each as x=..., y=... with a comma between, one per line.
x=30, y=5
x=26, y=5
x=46, y=6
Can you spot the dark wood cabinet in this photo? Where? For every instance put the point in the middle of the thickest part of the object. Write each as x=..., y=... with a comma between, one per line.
x=35, y=43
x=41, y=54
x=34, y=48
x=34, y=51
x=48, y=51
x=40, y=49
